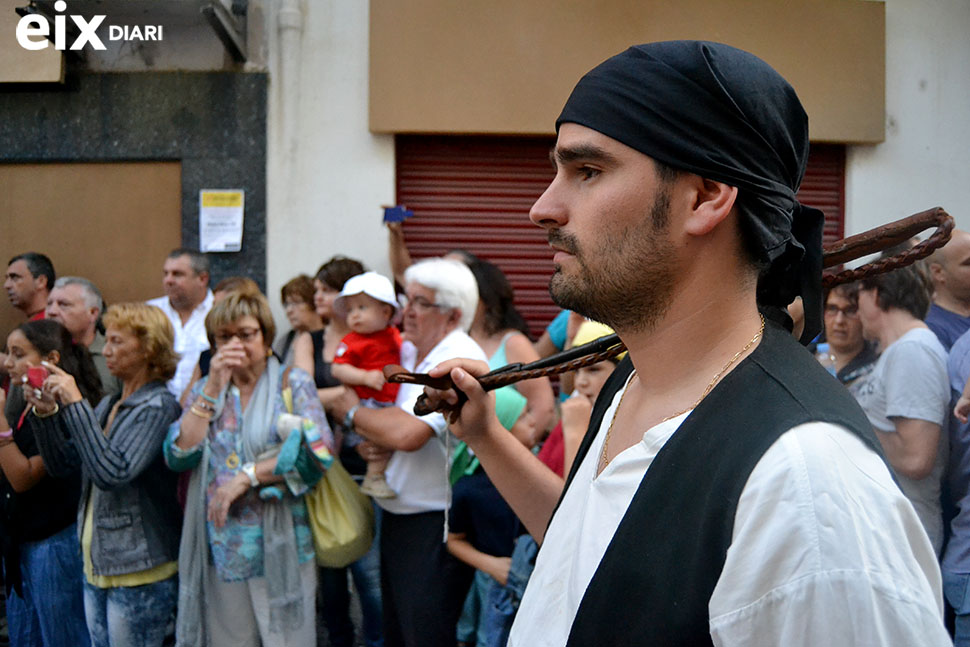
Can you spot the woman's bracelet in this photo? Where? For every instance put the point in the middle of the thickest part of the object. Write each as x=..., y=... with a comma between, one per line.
x=249, y=469
x=56, y=408
x=6, y=435
x=202, y=413
x=205, y=406
x=208, y=398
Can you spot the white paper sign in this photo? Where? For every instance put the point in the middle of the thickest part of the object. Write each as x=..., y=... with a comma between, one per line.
x=221, y=219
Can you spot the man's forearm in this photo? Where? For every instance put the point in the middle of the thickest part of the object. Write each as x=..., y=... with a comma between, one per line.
x=397, y=253
x=912, y=449
x=392, y=428
x=529, y=487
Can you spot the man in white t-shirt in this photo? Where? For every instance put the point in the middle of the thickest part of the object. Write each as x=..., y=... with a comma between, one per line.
x=729, y=491
x=187, y=301
x=422, y=585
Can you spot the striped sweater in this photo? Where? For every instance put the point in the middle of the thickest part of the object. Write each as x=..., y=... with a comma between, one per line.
x=137, y=518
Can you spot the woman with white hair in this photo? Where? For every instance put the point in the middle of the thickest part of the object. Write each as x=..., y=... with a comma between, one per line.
x=423, y=586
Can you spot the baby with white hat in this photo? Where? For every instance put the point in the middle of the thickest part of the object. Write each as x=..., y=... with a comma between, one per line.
x=369, y=304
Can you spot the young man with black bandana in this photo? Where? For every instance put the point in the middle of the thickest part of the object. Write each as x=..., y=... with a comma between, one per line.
x=728, y=491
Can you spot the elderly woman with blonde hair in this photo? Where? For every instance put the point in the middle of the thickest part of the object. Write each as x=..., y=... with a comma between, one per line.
x=246, y=558
x=128, y=518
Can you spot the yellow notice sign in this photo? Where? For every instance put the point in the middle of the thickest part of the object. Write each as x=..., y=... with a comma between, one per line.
x=222, y=198
x=221, y=219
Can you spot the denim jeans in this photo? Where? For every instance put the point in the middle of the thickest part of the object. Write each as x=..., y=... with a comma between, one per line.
x=130, y=615
x=51, y=611
x=955, y=590
x=472, y=627
x=502, y=602
x=335, y=597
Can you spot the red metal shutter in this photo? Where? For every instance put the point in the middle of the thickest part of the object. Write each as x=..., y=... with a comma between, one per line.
x=823, y=187
x=474, y=193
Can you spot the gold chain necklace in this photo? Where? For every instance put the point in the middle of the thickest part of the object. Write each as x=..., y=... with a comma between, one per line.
x=710, y=387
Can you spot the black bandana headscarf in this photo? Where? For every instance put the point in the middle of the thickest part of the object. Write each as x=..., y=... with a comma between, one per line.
x=725, y=115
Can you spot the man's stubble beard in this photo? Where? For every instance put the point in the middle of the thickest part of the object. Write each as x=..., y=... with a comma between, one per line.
x=181, y=300
x=629, y=286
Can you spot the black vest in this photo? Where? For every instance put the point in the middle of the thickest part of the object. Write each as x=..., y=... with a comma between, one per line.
x=656, y=578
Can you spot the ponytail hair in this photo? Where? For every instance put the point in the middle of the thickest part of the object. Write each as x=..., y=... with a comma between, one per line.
x=47, y=335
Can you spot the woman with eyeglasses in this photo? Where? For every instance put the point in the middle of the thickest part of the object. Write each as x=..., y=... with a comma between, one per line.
x=422, y=585
x=246, y=563
x=845, y=352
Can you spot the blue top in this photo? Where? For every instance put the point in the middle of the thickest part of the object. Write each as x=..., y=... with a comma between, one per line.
x=956, y=557
x=947, y=325
x=557, y=329
x=480, y=513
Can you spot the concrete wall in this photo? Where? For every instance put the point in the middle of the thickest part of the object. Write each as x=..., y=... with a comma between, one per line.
x=327, y=174
x=925, y=159
x=507, y=66
x=188, y=42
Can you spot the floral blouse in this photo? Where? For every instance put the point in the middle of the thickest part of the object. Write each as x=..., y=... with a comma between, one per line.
x=237, y=547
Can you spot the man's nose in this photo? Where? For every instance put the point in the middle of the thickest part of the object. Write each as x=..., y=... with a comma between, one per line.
x=548, y=210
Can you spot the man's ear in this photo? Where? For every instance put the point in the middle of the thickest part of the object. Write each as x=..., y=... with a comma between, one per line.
x=711, y=203
x=455, y=316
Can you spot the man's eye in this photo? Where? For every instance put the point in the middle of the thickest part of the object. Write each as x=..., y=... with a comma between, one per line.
x=588, y=173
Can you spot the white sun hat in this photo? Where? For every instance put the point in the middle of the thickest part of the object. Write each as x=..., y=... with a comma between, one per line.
x=373, y=285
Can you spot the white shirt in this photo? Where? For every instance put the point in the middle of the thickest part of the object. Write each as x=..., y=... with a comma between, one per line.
x=420, y=478
x=190, y=339
x=826, y=550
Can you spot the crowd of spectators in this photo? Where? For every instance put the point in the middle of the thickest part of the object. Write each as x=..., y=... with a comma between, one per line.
x=143, y=468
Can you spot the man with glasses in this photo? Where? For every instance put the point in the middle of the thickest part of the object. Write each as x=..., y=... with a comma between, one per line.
x=187, y=301
x=422, y=585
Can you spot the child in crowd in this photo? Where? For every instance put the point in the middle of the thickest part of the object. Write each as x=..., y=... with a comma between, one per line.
x=505, y=593
x=563, y=442
x=369, y=304
x=483, y=527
